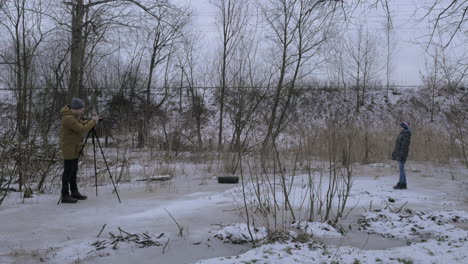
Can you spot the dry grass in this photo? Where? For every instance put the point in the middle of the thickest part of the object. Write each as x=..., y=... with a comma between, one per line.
x=427, y=144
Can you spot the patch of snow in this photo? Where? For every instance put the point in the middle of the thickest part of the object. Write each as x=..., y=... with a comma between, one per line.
x=239, y=233
x=415, y=225
x=316, y=229
x=313, y=252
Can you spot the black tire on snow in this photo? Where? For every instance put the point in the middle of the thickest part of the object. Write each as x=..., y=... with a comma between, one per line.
x=228, y=179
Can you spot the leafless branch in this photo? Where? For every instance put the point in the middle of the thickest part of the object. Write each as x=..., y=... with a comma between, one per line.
x=181, y=228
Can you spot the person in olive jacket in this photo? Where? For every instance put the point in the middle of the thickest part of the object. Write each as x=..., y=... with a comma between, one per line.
x=72, y=133
x=400, y=153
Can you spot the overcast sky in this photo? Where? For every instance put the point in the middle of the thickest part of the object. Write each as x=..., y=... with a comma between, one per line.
x=409, y=34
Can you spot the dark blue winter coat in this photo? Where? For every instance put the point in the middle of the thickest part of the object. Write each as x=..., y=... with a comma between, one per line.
x=400, y=153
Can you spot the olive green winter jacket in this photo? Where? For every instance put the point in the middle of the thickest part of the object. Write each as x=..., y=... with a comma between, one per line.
x=72, y=133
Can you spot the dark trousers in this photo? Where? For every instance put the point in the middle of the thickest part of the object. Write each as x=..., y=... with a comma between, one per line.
x=70, y=170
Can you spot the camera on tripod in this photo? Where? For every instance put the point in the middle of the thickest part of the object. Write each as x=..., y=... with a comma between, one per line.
x=92, y=117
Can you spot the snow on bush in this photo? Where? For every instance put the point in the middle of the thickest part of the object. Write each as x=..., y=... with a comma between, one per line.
x=316, y=229
x=239, y=233
x=415, y=225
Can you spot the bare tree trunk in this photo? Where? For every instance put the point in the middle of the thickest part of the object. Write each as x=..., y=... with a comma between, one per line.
x=433, y=84
x=358, y=101
x=232, y=18
x=20, y=87
x=78, y=45
x=221, y=97
x=388, y=28
x=187, y=64
x=283, y=38
x=143, y=132
x=76, y=51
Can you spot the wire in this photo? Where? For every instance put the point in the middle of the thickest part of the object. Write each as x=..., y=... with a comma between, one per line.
x=306, y=87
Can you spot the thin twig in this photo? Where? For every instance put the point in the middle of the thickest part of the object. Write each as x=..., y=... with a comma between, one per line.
x=180, y=228
x=351, y=209
x=101, y=230
x=165, y=246
x=367, y=240
x=339, y=246
x=121, y=230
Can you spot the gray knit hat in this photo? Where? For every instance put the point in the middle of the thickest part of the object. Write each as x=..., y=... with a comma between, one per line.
x=76, y=103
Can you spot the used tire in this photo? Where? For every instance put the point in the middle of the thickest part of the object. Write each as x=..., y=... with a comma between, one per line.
x=228, y=179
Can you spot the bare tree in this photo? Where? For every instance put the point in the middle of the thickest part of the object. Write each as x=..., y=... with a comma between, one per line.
x=79, y=11
x=25, y=32
x=23, y=25
x=455, y=72
x=389, y=30
x=432, y=80
x=232, y=18
x=362, y=59
x=336, y=65
x=244, y=77
x=389, y=48
x=297, y=29
x=448, y=17
x=166, y=34
x=91, y=26
x=188, y=62
x=245, y=99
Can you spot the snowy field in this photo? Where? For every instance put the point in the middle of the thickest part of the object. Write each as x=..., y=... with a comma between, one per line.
x=193, y=219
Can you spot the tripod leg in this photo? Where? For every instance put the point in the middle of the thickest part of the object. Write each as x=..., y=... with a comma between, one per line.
x=107, y=166
x=95, y=167
x=82, y=147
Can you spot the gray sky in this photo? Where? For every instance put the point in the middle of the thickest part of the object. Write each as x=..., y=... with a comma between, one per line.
x=409, y=55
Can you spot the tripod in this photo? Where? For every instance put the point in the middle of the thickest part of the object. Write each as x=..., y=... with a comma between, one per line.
x=94, y=138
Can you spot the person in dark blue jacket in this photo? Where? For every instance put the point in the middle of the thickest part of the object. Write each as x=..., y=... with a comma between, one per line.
x=400, y=153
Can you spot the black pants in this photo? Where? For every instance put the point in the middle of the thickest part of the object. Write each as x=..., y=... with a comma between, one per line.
x=70, y=170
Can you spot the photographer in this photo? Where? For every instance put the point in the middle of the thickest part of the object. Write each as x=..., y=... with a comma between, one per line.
x=72, y=133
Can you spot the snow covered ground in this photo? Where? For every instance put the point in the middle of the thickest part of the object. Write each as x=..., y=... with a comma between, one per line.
x=430, y=227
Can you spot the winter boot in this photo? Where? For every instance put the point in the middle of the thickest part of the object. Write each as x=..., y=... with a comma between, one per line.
x=66, y=198
x=403, y=186
x=398, y=186
x=77, y=195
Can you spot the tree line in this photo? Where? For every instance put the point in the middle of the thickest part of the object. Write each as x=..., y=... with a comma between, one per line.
x=147, y=57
